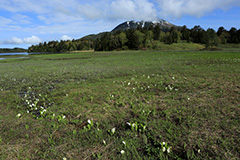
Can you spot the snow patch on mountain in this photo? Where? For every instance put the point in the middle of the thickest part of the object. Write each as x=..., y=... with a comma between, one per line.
x=164, y=25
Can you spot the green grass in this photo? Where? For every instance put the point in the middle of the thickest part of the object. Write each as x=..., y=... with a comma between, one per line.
x=66, y=105
x=177, y=46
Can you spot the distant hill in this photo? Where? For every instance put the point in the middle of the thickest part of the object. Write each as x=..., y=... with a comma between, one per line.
x=92, y=36
x=14, y=50
x=164, y=25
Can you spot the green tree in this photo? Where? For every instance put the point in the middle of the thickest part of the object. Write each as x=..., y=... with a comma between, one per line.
x=197, y=34
x=211, y=39
x=176, y=36
x=135, y=39
x=233, y=35
x=122, y=37
x=185, y=33
x=156, y=32
x=223, y=35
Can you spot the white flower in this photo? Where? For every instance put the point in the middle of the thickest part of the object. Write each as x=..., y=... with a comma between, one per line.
x=27, y=111
x=188, y=99
x=66, y=95
x=90, y=121
x=104, y=142
x=122, y=152
x=164, y=149
x=53, y=115
x=18, y=115
x=129, y=83
x=124, y=142
x=128, y=123
x=199, y=151
x=163, y=143
x=169, y=149
x=148, y=77
x=173, y=78
x=133, y=124
x=64, y=158
x=64, y=117
x=113, y=130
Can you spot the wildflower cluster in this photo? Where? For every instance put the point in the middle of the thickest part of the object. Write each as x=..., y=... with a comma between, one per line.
x=148, y=83
x=35, y=104
x=137, y=126
x=165, y=147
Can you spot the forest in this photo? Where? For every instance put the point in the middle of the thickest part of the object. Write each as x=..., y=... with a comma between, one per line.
x=142, y=38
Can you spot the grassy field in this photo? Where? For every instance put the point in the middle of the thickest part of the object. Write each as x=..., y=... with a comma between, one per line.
x=121, y=105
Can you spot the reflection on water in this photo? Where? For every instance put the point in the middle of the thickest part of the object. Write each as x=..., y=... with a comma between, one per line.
x=13, y=54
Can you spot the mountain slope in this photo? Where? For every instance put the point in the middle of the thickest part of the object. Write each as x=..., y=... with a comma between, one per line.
x=164, y=25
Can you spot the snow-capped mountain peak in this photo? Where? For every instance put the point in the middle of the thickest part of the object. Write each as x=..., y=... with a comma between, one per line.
x=133, y=24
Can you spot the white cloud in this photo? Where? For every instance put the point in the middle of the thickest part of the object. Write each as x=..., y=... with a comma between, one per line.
x=133, y=10
x=62, y=11
x=197, y=8
x=27, y=40
x=31, y=40
x=90, y=12
x=65, y=37
x=5, y=21
x=15, y=40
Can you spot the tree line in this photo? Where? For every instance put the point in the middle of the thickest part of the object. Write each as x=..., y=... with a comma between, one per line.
x=14, y=50
x=143, y=38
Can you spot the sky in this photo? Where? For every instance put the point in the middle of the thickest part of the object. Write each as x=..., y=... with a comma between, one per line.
x=27, y=22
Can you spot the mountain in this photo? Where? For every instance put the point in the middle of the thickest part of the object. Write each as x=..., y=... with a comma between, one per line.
x=164, y=25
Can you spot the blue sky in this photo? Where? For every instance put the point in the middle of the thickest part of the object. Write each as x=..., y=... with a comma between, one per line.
x=27, y=22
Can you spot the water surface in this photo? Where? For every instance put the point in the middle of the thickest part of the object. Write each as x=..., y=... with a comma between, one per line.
x=13, y=54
